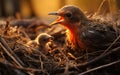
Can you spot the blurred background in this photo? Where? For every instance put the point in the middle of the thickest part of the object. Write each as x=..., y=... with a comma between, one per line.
x=40, y=8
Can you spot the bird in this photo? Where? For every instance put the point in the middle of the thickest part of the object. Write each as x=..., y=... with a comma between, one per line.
x=41, y=42
x=82, y=32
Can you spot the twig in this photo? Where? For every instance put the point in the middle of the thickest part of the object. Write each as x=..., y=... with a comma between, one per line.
x=101, y=6
x=111, y=45
x=100, y=67
x=18, y=67
x=89, y=54
x=85, y=65
x=98, y=58
x=10, y=53
x=43, y=55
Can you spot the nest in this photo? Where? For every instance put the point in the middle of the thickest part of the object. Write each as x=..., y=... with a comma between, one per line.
x=18, y=59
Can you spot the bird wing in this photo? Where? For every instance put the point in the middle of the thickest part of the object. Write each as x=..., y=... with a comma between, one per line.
x=98, y=35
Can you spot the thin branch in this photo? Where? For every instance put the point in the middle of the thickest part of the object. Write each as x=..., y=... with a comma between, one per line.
x=7, y=64
x=10, y=53
x=111, y=45
x=100, y=67
x=85, y=65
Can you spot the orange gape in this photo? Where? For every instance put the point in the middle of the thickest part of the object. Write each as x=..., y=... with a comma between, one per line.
x=83, y=33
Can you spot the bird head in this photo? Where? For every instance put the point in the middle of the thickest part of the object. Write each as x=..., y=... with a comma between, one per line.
x=43, y=39
x=72, y=18
x=68, y=15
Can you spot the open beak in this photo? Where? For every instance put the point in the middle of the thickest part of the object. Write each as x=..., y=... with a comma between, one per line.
x=59, y=20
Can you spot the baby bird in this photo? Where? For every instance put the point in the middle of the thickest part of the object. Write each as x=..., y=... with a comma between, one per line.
x=41, y=42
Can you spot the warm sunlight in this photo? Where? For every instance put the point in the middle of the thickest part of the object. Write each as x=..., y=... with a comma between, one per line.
x=59, y=37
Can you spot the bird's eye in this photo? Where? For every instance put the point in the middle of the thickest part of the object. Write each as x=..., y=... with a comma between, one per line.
x=44, y=40
x=68, y=15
